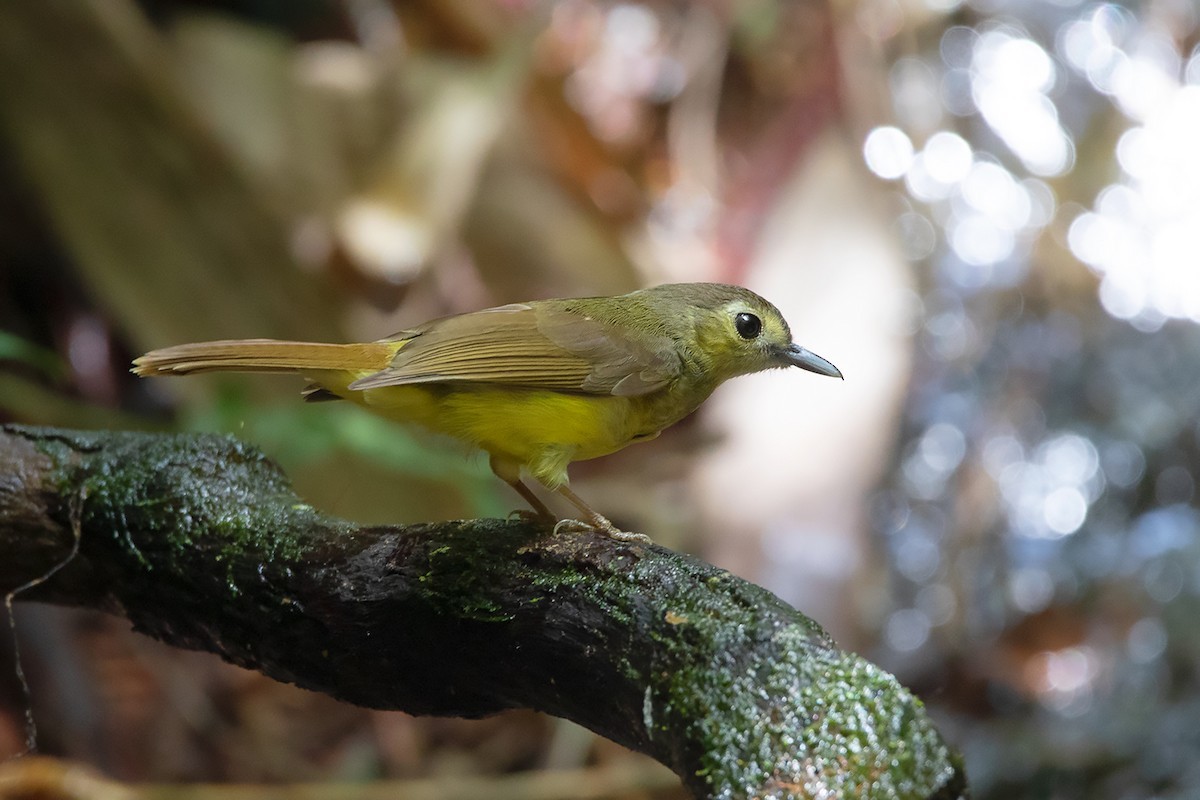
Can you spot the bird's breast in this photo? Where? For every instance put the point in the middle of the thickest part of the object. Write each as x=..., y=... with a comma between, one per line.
x=521, y=423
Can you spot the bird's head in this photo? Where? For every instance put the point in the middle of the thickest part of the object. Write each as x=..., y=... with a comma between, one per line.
x=737, y=332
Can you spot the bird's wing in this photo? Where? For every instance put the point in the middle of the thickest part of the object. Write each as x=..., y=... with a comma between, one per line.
x=529, y=347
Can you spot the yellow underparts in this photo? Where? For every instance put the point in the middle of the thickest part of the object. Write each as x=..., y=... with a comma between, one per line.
x=539, y=430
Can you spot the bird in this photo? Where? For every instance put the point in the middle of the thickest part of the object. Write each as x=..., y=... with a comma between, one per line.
x=540, y=384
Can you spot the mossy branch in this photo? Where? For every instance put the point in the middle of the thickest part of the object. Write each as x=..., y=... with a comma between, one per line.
x=200, y=542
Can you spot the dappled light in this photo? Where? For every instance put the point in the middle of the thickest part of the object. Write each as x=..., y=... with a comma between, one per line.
x=985, y=212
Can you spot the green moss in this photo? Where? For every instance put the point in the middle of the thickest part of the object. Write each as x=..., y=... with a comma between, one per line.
x=847, y=728
x=128, y=476
x=836, y=725
x=462, y=573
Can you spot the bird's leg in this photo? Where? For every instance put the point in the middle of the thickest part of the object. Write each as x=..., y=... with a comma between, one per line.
x=596, y=520
x=510, y=473
x=540, y=512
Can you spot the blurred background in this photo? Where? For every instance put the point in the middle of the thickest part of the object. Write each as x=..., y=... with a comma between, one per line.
x=985, y=212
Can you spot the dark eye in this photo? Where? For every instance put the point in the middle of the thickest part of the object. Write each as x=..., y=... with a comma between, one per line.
x=748, y=326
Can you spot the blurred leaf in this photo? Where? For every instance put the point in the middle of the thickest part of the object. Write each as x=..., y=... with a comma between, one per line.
x=300, y=434
x=168, y=233
x=47, y=362
x=29, y=402
x=755, y=23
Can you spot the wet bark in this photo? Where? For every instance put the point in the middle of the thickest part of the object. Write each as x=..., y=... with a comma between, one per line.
x=200, y=542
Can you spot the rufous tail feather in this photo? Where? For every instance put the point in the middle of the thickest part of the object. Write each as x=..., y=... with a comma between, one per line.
x=264, y=355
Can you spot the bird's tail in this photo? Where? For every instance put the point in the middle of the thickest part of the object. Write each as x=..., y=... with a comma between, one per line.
x=265, y=355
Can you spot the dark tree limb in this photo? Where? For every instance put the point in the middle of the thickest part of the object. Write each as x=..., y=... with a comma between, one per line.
x=200, y=542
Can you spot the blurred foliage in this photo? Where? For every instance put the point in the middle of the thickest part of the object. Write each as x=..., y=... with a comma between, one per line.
x=1040, y=522
x=21, y=352
x=185, y=170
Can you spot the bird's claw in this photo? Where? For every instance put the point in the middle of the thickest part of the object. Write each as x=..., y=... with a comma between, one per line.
x=629, y=537
x=600, y=525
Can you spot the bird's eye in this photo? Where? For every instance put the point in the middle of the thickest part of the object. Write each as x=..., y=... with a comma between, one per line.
x=748, y=326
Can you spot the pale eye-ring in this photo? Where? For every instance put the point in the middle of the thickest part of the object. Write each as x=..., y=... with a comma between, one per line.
x=748, y=326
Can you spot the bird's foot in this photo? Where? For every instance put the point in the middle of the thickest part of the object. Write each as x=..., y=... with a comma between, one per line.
x=629, y=537
x=600, y=525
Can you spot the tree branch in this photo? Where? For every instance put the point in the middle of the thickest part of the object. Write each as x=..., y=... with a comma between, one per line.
x=200, y=542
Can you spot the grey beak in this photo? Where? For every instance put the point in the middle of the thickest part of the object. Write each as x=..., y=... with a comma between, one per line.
x=797, y=356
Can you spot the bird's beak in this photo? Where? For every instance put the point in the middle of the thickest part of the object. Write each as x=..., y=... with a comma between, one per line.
x=796, y=356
